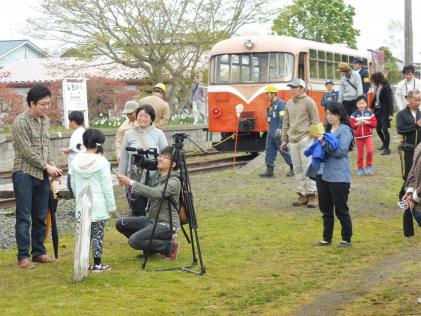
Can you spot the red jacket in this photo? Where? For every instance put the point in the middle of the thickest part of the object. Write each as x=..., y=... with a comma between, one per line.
x=363, y=130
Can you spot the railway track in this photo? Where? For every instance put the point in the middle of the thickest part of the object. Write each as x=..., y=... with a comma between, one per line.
x=7, y=175
x=7, y=199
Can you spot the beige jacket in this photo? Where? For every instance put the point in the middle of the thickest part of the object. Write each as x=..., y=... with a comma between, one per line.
x=162, y=109
x=121, y=131
x=300, y=113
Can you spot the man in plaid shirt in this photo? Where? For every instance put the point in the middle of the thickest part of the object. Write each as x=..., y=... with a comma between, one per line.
x=32, y=166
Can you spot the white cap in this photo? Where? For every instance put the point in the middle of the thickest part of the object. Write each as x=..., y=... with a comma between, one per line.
x=297, y=83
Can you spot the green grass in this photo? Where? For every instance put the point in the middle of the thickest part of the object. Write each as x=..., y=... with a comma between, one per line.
x=257, y=250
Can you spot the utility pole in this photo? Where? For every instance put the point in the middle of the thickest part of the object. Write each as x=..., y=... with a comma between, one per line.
x=409, y=49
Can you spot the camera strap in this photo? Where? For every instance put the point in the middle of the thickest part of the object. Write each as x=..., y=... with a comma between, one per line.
x=141, y=141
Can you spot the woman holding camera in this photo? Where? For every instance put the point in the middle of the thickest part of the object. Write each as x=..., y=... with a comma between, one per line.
x=145, y=136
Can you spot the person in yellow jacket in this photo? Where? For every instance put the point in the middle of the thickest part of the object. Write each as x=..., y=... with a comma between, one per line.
x=161, y=107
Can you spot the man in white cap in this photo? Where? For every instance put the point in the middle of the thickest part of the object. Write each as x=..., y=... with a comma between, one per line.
x=300, y=113
x=130, y=110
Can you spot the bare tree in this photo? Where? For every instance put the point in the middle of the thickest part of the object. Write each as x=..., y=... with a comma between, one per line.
x=167, y=39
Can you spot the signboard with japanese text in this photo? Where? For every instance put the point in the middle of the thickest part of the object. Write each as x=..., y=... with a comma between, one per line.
x=75, y=99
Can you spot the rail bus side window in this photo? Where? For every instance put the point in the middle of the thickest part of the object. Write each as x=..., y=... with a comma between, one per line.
x=330, y=66
x=302, y=64
x=313, y=64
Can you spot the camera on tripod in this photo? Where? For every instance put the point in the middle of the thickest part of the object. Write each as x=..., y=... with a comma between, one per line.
x=178, y=139
x=144, y=159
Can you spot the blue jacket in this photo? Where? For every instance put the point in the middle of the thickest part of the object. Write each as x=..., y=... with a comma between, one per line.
x=317, y=152
x=275, y=115
x=334, y=96
x=336, y=167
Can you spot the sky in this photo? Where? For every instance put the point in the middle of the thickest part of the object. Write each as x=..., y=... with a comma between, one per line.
x=372, y=18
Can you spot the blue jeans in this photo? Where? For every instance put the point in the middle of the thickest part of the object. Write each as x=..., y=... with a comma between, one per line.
x=272, y=148
x=32, y=197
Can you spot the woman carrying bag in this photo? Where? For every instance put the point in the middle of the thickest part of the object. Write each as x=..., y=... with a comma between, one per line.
x=333, y=177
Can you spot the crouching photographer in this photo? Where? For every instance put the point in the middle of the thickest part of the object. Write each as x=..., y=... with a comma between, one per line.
x=138, y=229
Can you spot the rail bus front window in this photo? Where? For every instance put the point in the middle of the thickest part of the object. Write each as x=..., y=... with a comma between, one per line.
x=220, y=69
x=281, y=67
x=252, y=68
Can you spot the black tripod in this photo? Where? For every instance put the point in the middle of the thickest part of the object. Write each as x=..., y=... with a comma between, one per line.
x=179, y=156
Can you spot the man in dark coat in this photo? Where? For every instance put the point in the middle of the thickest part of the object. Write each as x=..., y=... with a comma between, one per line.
x=358, y=67
x=408, y=124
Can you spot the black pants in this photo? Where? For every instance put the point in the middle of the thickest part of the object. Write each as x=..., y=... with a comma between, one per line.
x=333, y=196
x=137, y=204
x=382, y=129
x=350, y=106
x=407, y=165
x=138, y=230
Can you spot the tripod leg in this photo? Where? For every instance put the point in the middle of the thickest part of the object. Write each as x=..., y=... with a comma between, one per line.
x=192, y=245
x=199, y=252
x=185, y=234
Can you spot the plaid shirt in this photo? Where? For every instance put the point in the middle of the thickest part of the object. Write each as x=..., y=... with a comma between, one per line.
x=31, y=142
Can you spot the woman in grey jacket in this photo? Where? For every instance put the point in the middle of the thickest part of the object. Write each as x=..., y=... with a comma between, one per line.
x=145, y=136
x=334, y=179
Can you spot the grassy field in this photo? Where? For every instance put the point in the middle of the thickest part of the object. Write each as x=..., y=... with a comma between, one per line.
x=259, y=258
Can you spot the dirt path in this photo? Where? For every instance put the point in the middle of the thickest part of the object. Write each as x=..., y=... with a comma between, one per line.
x=331, y=302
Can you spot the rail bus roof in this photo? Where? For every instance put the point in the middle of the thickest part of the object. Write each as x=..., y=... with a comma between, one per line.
x=273, y=43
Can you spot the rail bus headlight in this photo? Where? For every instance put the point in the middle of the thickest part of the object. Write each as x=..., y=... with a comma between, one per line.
x=249, y=44
x=216, y=112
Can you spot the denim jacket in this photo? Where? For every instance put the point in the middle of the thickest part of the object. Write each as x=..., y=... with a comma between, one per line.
x=336, y=167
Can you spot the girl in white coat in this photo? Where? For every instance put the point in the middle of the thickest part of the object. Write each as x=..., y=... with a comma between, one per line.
x=93, y=169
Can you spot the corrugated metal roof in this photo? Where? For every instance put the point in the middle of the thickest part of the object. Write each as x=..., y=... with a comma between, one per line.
x=10, y=45
x=57, y=68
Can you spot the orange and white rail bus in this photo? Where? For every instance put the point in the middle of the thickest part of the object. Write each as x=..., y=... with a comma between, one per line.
x=241, y=68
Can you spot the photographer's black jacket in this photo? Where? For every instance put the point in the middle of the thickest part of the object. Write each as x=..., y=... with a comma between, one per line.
x=407, y=127
x=154, y=193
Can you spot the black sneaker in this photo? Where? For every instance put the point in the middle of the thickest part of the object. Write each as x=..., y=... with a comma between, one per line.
x=322, y=243
x=385, y=152
x=344, y=244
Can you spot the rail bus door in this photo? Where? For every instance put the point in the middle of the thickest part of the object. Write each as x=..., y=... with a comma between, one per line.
x=303, y=73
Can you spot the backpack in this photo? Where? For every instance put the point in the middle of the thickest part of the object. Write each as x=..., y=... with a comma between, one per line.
x=182, y=213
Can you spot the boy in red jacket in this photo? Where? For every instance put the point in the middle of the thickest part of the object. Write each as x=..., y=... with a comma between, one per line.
x=362, y=122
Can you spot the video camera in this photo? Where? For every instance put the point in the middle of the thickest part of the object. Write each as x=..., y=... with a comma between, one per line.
x=145, y=159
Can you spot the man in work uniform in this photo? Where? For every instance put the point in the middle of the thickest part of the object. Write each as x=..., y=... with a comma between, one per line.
x=408, y=124
x=32, y=166
x=161, y=107
x=357, y=65
x=350, y=88
x=300, y=113
x=130, y=110
x=275, y=117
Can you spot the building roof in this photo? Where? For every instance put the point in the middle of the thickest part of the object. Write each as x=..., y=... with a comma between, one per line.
x=33, y=70
x=6, y=47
